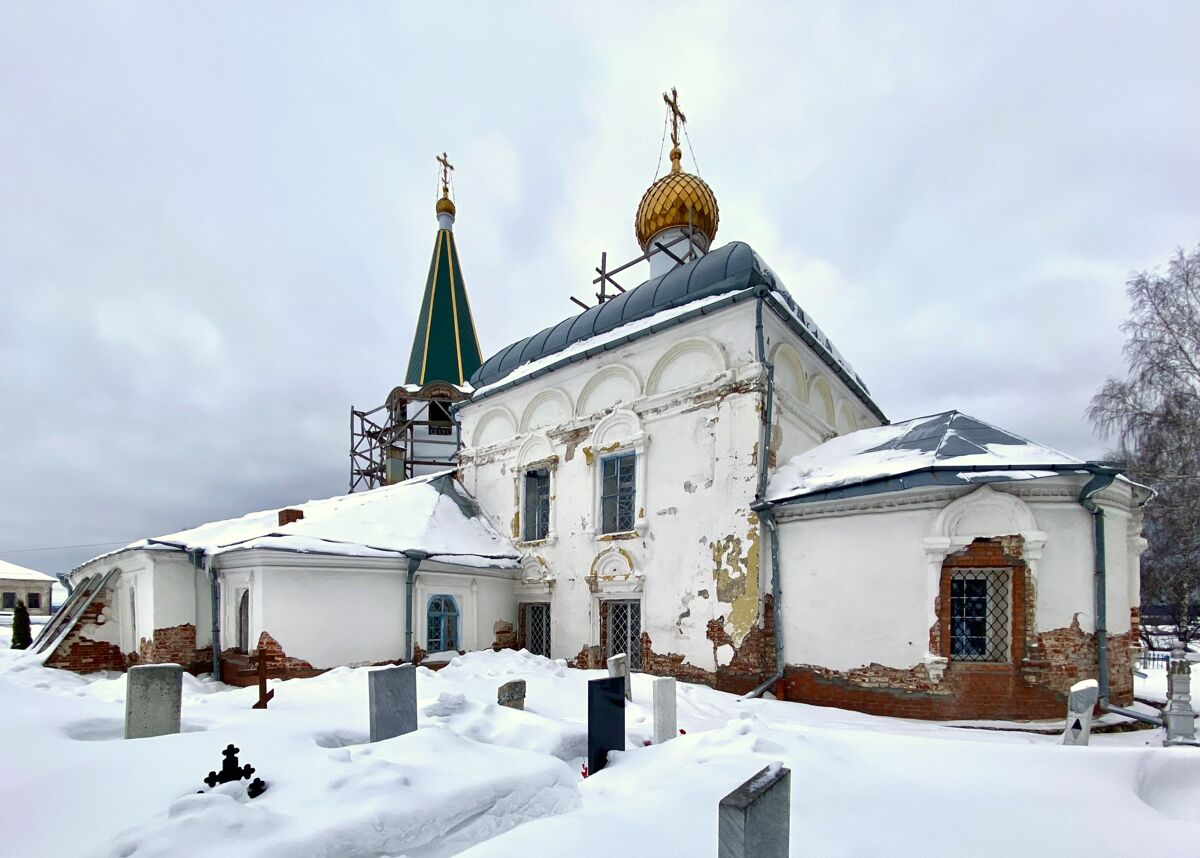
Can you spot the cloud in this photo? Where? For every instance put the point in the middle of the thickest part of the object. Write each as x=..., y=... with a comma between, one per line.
x=218, y=221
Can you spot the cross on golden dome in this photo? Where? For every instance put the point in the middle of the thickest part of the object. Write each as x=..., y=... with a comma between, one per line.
x=678, y=199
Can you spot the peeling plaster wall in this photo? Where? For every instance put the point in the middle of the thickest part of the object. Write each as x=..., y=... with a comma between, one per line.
x=859, y=586
x=689, y=401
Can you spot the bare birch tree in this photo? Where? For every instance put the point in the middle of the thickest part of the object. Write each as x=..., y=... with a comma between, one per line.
x=1154, y=416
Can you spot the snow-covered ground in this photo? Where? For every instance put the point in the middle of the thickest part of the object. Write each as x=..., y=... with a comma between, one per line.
x=494, y=781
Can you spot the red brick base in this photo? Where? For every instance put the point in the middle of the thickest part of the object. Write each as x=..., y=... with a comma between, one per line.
x=82, y=654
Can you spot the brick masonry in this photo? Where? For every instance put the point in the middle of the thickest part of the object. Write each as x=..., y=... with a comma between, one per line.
x=1032, y=684
x=82, y=654
x=174, y=645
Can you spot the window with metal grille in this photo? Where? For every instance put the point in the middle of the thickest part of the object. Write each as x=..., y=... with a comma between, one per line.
x=980, y=614
x=625, y=631
x=537, y=504
x=33, y=600
x=441, y=629
x=617, y=492
x=537, y=628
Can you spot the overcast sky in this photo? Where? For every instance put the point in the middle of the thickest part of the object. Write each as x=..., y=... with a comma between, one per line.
x=216, y=219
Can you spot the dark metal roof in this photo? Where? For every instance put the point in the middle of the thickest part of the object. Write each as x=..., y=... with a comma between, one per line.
x=947, y=449
x=731, y=269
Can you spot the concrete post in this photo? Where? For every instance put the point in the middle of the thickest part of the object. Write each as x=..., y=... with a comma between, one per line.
x=1080, y=703
x=665, y=724
x=153, y=700
x=618, y=665
x=754, y=821
x=1178, y=716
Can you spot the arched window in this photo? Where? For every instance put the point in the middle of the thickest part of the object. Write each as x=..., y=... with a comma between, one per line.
x=442, y=624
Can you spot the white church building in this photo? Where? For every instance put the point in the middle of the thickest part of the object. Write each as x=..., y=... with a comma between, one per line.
x=688, y=472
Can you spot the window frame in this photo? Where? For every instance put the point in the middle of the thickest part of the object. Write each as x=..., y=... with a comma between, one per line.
x=8, y=601
x=442, y=615
x=536, y=512
x=997, y=641
x=32, y=597
x=616, y=458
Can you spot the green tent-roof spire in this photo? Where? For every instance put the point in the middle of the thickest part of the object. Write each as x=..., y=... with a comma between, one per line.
x=445, y=347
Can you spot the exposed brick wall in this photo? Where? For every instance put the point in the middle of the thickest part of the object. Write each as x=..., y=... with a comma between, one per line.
x=277, y=659
x=506, y=636
x=752, y=663
x=1032, y=684
x=82, y=654
x=174, y=645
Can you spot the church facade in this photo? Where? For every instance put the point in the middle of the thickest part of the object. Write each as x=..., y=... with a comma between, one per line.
x=691, y=473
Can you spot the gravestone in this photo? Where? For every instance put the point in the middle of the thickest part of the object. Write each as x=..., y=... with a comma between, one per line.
x=1080, y=702
x=606, y=720
x=618, y=665
x=512, y=694
x=1178, y=717
x=754, y=820
x=393, y=699
x=153, y=699
x=665, y=724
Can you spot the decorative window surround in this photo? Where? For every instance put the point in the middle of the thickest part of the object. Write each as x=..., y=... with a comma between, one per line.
x=535, y=454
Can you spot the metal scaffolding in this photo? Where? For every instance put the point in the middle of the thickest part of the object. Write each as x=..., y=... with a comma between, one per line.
x=411, y=434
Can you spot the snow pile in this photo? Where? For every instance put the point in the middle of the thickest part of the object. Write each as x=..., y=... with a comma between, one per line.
x=431, y=514
x=496, y=781
x=950, y=441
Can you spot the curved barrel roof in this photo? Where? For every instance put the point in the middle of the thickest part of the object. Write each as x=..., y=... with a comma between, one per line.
x=731, y=268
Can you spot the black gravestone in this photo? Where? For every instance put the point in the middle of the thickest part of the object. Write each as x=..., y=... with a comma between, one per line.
x=606, y=720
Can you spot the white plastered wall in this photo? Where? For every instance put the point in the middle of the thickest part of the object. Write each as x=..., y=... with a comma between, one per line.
x=687, y=400
x=859, y=584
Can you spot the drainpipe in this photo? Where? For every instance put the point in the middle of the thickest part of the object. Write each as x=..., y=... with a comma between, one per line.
x=204, y=565
x=761, y=507
x=415, y=557
x=1101, y=479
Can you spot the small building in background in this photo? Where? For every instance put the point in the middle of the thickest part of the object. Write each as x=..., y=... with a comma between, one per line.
x=18, y=584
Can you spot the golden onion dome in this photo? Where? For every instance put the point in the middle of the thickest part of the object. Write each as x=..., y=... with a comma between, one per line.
x=445, y=206
x=677, y=199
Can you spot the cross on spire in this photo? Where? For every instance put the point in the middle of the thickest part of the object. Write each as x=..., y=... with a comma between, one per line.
x=677, y=116
x=447, y=169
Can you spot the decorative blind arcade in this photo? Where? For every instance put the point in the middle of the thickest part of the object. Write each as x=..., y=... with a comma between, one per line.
x=979, y=615
x=537, y=504
x=617, y=492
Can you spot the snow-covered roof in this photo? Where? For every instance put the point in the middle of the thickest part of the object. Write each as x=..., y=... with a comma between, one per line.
x=950, y=448
x=431, y=514
x=715, y=280
x=12, y=570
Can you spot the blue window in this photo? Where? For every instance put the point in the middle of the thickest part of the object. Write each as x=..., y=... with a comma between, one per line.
x=617, y=492
x=442, y=624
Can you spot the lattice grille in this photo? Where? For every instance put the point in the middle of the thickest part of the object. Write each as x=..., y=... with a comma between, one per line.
x=537, y=629
x=625, y=631
x=980, y=615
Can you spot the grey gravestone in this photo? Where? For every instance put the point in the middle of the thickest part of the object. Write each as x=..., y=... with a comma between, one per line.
x=512, y=694
x=606, y=720
x=665, y=724
x=153, y=698
x=393, y=698
x=1080, y=703
x=618, y=665
x=754, y=820
x=1178, y=716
